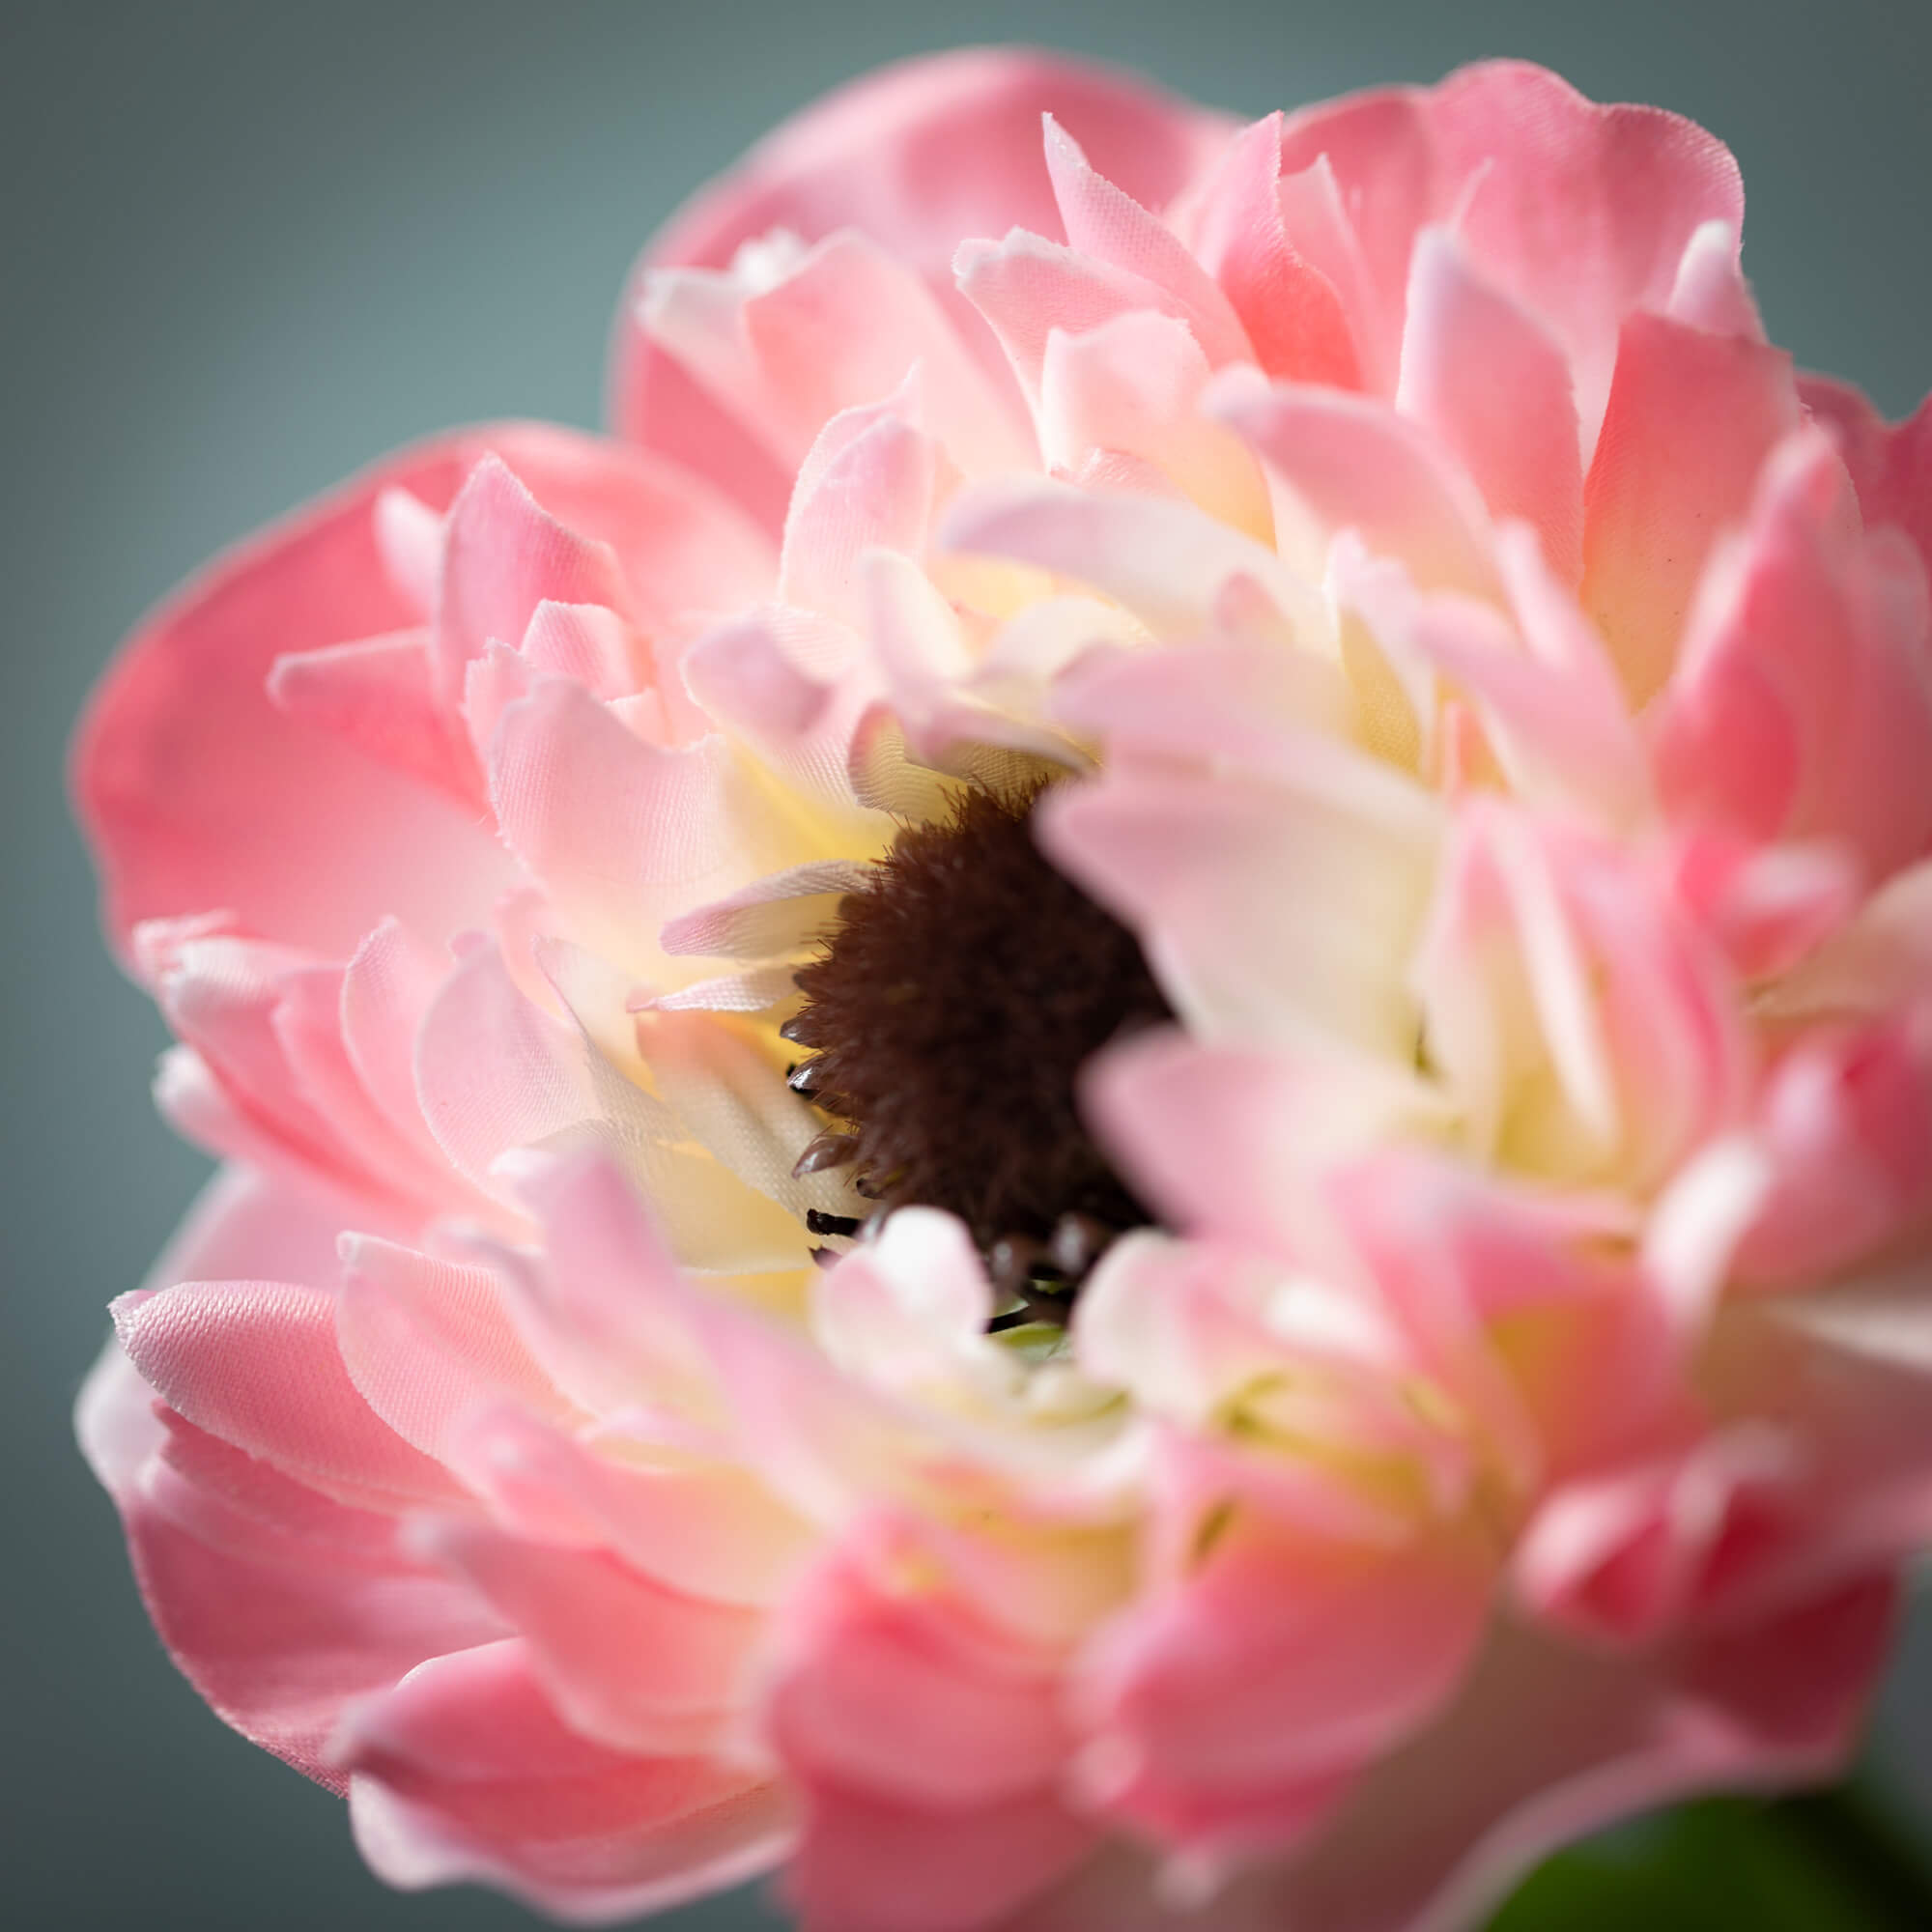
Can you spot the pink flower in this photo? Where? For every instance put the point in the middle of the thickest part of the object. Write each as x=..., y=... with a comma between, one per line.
x=1350, y=1310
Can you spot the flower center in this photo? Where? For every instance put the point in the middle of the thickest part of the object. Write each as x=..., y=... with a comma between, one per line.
x=955, y=1002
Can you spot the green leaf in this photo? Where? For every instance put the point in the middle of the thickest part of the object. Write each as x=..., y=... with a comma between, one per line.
x=1828, y=1861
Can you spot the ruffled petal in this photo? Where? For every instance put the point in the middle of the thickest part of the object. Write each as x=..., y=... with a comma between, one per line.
x=1579, y=213
x=1691, y=420
x=463, y=1771
x=915, y=157
x=1802, y=705
x=199, y=792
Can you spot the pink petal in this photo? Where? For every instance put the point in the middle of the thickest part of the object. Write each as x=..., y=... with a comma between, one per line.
x=1768, y=906
x=392, y=1159
x=906, y=1695
x=1027, y=287
x=916, y=156
x=1106, y=224
x=387, y=988
x=1219, y=876
x=408, y=538
x=1802, y=706
x=504, y=556
x=606, y=1309
x=875, y=490
x=1227, y=1140
x=1690, y=421
x=589, y=643
x=1235, y=1708
x=530, y=1081
x=465, y=1772
x=277, y=1602
x=577, y=520
x=628, y=1662
x=1711, y=292
x=1169, y=562
x=777, y=914
x=1547, y=1744
x=619, y=832
x=226, y=996
x=1580, y=213
x=1131, y=386
x=1354, y=463
x=1846, y=1120
x=1487, y=377
x=376, y=694
x=1564, y=993
x=793, y=685
x=867, y=1863
x=428, y=1341
x=1552, y=713
x=197, y=791
x=784, y=345
x=1890, y=463
x=703, y=1528
x=1288, y=306
x=279, y=1606
x=256, y=1365
x=1626, y=1557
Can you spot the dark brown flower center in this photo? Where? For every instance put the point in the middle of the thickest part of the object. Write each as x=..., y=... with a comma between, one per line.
x=954, y=1006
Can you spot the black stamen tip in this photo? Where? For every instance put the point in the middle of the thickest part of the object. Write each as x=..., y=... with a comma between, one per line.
x=818, y=1222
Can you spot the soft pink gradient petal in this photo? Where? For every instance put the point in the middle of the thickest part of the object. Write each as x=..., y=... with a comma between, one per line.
x=1579, y=213
x=1226, y=1140
x=198, y=792
x=1846, y=1121
x=1352, y=463
x=1691, y=420
x=1890, y=463
x=278, y=1603
x=1131, y=387
x=854, y=1656
x=1433, y=1837
x=1803, y=706
x=429, y=1341
x=868, y=1863
x=1290, y=311
x=874, y=489
x=704, y=1528
x=379, y=695
x=1487, y=377
x=1177, y=857
x=1169, y=562
x=916, y=158
x=255, y=1364
x=838, y=327
x=1104, y=223
x=465, y=1772
x=1574, y=1015
x=623, y=832
x=627, y=1661
x=1231, y=1712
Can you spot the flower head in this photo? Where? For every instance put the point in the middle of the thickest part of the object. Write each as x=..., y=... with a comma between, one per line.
x=1111, y=1087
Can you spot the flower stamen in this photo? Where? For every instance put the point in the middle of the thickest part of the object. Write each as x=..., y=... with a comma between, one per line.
x=949, y=1015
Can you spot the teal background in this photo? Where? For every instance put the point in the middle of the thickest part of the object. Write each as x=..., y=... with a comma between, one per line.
x=246, y=247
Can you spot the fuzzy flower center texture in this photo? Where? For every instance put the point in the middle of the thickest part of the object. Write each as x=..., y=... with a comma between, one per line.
x=955, y=1001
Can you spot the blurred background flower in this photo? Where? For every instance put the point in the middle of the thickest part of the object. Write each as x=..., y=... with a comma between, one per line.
x=251, y=252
